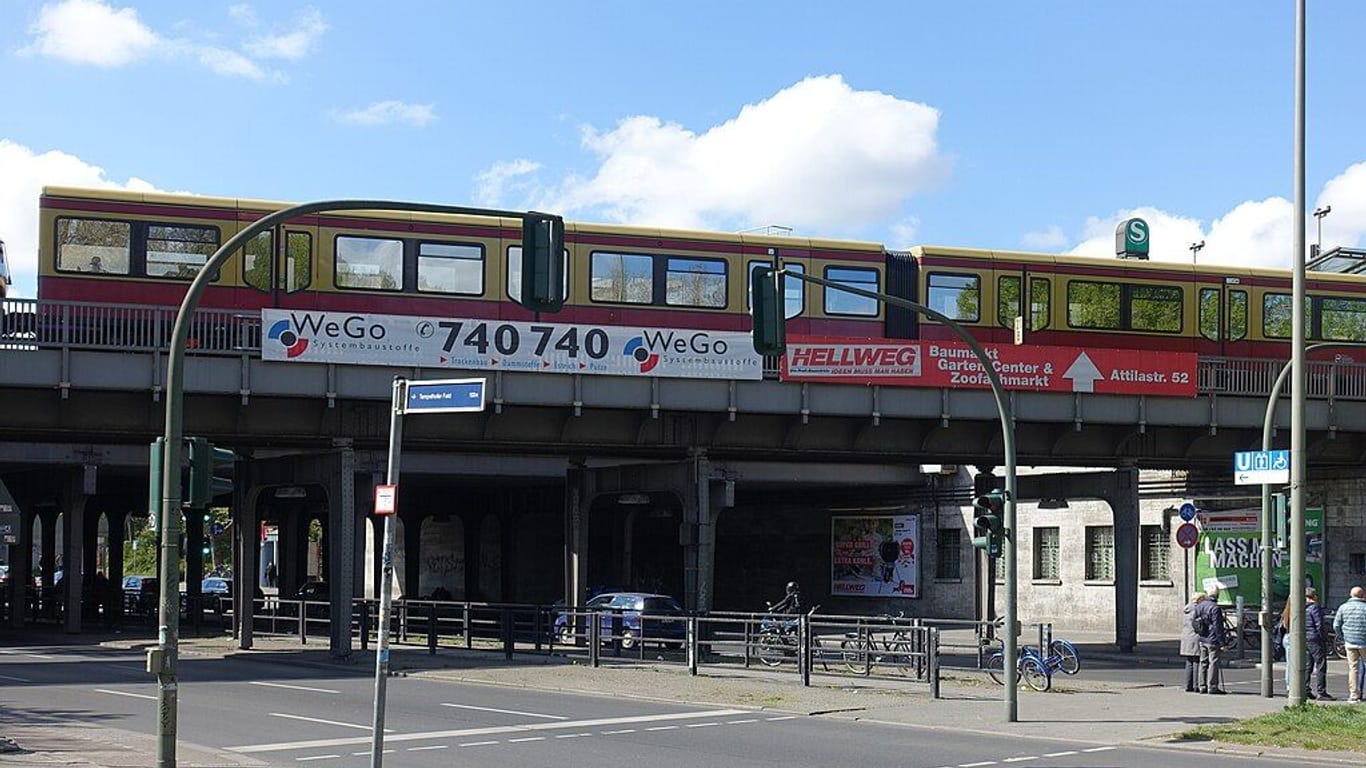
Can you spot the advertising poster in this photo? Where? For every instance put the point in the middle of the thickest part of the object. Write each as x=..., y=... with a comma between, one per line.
x=496, y=345
x=1229, y=555
x=1027, y=368
x=875, y=556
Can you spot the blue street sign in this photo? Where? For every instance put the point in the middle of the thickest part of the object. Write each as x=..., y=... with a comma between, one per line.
x=1261, y=467
x=446, y=396
x=1188, y=511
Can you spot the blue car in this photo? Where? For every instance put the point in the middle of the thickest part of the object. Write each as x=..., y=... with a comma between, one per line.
x=645, y=618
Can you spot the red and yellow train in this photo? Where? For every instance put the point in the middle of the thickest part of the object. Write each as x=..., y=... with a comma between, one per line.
x=139, y=248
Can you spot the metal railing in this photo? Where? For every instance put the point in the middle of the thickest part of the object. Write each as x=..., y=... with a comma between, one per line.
x=35, y=324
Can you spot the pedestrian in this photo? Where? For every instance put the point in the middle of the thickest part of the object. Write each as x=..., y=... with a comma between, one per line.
x=270, y=575
x=1208, y=622
x=1190, y=643
x=1316, y=644
x=1350, y=625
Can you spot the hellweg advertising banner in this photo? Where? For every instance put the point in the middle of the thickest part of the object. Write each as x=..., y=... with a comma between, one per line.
x=875, y=556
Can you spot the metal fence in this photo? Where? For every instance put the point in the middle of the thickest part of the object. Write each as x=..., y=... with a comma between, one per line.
x=34, y=324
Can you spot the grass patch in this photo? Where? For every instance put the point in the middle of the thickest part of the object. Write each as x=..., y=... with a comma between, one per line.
x=1308, y=726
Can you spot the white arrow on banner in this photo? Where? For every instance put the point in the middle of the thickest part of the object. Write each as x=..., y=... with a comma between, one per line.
x=1084, y=374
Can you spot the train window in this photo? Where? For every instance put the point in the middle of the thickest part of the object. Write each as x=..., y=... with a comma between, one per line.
x=1155, y=308
x=93, y=245
x=626, y=278
x=298, y=273
x=794, y=290
x=450, y=268
x=1093, y=305
x=839, y=302
x=695, y=282
x=1276, y=320
x=1209, y=313
x=958, y=297
x=369, y=262
x=1342, y=319
x=514, y=262
x=1008, y=302
x=179, y=251
x=1237, y=315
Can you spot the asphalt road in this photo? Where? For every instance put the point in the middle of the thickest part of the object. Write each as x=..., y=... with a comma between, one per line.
x=287, y=714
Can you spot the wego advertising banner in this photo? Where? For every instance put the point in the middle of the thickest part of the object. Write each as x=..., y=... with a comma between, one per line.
x=953, y=364
x=875, y=556
x=439, y=342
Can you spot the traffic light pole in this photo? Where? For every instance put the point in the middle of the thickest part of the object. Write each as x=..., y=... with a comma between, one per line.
x=162, y=660
x=386, y=590
x=1011, y=639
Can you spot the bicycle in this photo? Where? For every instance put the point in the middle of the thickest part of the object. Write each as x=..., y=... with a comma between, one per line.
x=1252, y=632
x=1030, y=670
x=778, y=641
x=860, y=651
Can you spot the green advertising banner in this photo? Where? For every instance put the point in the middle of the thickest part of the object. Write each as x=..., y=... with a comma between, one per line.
x=1229, y=555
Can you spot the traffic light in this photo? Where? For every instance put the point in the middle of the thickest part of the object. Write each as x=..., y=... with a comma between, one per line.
x=542, y=262
x=206, y=548
x=989, y=524
x=766, y=307
x=210, y=472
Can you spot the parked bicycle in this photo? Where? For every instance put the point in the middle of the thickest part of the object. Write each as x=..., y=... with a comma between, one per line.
x=778, y=640
x=1035, y=669
x=862, y=651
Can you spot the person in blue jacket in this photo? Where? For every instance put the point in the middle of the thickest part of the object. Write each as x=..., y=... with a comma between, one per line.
x=1350, y=625
x=1209, y=621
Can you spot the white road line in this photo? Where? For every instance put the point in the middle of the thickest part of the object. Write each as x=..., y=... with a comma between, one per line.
x=293, y=687
x=784, y=717
x=1020, y=759
x=22, y=652
x=486, y=731
x=325, y=722
x=570, y=735
x=976, y=765
x=1061, y=754
x=428, y=749
x=527, y=738
x=1099, y=749
x=663, y=728
x=478, y=743
x=506, y=711
x=742, y=722
x=366, y=752
x=316, y=757
x=605, y=733
x=125, y=693
x=702, y=725
x=15, y=679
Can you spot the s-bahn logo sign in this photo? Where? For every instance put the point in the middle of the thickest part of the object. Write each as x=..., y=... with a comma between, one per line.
x=474, y=344
x=1026, y=368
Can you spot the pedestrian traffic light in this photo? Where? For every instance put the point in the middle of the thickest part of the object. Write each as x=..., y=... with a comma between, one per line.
x=210, y=472
x=989, y=523
x=766, y=307
x=543, y=262
x=206, y=548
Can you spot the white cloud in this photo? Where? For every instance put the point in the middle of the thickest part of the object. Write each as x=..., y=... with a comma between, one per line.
x=492, y=184
x=26, y=173
x=389, y=113
x=91, y=32
x=95, y=33
x=904, y=233
x=1050, y=239
x=290, y=45
x=818, y=155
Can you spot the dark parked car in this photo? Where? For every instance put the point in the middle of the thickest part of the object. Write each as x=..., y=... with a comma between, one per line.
x=141, y=594
x=645, y=617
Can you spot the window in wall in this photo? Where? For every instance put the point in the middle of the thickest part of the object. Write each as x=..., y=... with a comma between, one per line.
x=695, y=282
x=839, y=302
x=1155, y=308
x=623, y=278
x=1209, y=313
x=1342, y=319
x=93, y=245
x=1046, y=554
x=1237, y=315
x=177, y=251
x=514, y=282
x=1100, y=553
x=959, y=297
x=298, y=271
x=794, y=290
x=450, y=268
x=1356, y=563
x=1093, y=305
x=369, y=262
x=1157, y=548
x=948, y=554
x=1008, y=302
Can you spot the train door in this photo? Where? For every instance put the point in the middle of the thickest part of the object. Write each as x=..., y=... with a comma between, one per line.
x=1024, y=294
x=1223, y=318
x=279, y=265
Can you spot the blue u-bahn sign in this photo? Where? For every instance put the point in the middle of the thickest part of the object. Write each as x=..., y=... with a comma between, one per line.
x=445, y=396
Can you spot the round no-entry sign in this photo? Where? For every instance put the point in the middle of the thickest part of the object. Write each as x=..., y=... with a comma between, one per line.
x=1187, y=535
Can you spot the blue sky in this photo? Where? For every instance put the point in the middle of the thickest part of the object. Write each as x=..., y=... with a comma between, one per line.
x=986, y=124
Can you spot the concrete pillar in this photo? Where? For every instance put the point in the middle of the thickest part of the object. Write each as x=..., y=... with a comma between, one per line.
x=1123, y=500
x=578, y=497
x=340, y=557
x=73, y=501
x=47, y=557
x=118, y=529
x=360, y=530
x=20, y=569
x=246, y=542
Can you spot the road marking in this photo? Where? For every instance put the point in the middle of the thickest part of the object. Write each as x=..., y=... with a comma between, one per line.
x=125, y=693
x=478, y=743
x=527, y=738
x=316, y=757
x=742, y=722
x=1020, y=759
x=427, y=749
x=15, y=679
x=702, y=725
x=485, y=731
x=294, y=687
x=976, y=765
x=663, y=728
x=366, y=752
x=1098, y=749
x=605, y=733
x=784, y=717
x=506, y=711
x=326, y=722
x=1061, y=754
x=22, y=652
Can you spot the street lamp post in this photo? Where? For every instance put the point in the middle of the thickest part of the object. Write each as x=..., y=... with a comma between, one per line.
x=1195, y=249
x=1319, y=213
x=1294, y=657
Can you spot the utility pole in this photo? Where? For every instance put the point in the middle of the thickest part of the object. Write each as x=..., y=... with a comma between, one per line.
x=1319, y=213
x=1296, y=652
x=1195, y=249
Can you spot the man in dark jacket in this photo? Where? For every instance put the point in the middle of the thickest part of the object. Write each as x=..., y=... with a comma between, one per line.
x=1212, y=641
x=1316, y=646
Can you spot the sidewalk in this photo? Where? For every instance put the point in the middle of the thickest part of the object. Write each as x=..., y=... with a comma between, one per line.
x=1102, y=713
